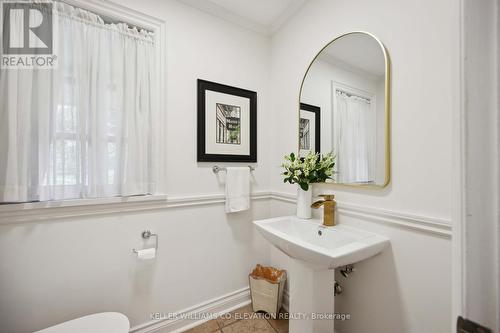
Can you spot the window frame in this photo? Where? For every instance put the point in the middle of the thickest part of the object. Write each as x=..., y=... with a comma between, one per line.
x=113, y=11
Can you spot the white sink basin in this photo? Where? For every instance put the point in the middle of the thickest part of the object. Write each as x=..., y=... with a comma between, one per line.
x=315, y=251
x=321, y=247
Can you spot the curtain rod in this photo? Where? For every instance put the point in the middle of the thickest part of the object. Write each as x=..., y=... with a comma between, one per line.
x=339, y=90
x=106, y=19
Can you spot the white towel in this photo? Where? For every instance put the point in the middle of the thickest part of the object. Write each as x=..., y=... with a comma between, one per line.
x=237, y=189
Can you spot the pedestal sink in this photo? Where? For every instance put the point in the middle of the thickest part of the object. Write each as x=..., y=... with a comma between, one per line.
x=315, y=252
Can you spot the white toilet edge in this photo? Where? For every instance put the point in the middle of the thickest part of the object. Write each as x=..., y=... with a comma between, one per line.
x=104, y=322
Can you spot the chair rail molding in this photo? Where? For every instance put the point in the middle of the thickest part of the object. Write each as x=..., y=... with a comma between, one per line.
x=426, y=224
x=37, y=212
x=50, y=210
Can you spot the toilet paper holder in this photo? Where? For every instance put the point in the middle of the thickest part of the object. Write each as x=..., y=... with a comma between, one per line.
x=146, y=234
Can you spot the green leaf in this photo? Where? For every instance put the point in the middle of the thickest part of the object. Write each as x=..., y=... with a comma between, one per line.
x=304, y=186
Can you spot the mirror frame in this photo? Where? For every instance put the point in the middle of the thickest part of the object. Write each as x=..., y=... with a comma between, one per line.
x=387, y=145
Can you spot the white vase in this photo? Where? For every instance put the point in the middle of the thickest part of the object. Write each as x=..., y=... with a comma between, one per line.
x=304, y=200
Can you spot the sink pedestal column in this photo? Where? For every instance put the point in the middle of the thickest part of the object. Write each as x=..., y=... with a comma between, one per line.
x=311, y=294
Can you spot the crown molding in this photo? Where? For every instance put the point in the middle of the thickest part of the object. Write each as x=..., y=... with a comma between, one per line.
x=221, y=12
x=285, y=16
x=267, y=30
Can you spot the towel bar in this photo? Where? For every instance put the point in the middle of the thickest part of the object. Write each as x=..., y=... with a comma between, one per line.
x=217, y=168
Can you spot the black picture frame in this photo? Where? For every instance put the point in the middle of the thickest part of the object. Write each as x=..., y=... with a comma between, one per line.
x=202, y=156
x=317, y=129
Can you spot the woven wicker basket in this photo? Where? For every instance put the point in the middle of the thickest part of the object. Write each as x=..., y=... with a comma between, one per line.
x=267, y=296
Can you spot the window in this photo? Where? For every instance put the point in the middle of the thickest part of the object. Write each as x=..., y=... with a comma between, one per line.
x=85, y=129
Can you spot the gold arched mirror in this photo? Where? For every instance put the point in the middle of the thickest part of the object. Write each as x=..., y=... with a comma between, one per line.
x=345, y=108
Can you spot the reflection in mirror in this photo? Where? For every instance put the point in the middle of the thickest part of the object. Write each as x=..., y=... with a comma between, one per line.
x=343, y=108
x=309, y=129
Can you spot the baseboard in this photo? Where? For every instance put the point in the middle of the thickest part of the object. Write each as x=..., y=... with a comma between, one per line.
x=181, y=321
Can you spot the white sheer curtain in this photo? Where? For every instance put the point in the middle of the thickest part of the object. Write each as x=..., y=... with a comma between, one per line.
x=354, y=138
x=85, y=129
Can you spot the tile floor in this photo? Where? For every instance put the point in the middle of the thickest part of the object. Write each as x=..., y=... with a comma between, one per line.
x=242, y=320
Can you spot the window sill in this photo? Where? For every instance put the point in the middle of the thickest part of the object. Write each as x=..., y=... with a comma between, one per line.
x=33, y=211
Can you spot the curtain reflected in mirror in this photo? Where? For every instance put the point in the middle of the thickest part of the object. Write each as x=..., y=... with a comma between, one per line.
x=354, y=138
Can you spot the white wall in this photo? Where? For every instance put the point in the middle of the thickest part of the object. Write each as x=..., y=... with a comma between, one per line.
x=57, y=270
x=422, y=91
x=51, y=272
x=407, y=288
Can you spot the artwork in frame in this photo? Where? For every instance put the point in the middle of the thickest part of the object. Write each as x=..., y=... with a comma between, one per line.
x=227, y=123
x=309, y=129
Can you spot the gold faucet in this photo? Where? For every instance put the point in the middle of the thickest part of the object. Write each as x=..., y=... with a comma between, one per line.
x=329, y=206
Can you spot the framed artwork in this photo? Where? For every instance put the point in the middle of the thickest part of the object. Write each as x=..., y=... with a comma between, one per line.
x=309, y=129
x=227, y=123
